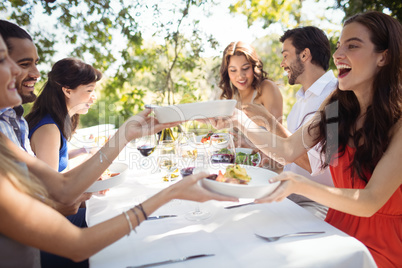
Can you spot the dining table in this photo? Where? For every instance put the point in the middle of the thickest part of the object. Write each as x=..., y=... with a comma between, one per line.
x=227, y=237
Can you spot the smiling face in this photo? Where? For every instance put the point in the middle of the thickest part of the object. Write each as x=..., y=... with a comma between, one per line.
x=8, y=71
x=24, y=53
x=79, y=100
x=356, y=59
x=291, y=62
x=241, y=72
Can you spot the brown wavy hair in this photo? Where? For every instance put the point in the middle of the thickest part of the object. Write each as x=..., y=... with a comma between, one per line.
x=69, y=73
x=385, y=110
x=238, y=49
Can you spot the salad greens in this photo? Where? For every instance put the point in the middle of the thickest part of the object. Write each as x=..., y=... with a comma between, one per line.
x=246, y=159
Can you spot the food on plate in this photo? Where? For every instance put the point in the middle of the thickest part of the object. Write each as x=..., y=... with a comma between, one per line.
x=218, y=138
x=207, y=137
x=234, y=174
x=106, y=175
x=247, y=159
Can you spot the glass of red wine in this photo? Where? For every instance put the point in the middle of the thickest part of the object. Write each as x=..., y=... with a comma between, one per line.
x=146, y=146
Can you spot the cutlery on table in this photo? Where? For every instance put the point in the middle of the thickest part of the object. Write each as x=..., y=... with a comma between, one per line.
x=241, y=205
x=171, y=261
x=276, y=238
x=161, y=217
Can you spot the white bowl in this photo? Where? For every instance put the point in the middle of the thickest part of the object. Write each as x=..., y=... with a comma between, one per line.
x=192, y=111
x=249, y=151
x=112, y=181
x=258, y=187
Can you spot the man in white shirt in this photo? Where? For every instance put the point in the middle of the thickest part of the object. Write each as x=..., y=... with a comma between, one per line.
x=23, y=51
x=306, y=54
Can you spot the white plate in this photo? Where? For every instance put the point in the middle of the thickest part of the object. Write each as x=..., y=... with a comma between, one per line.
x=94, y=136
x=112, y=181
x=192, y=111
x=258, y=187
x=249, y=151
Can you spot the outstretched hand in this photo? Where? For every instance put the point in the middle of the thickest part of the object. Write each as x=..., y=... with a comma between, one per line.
x=142, y=124
x=259, y=114
x=289, y=183
x=189, y=188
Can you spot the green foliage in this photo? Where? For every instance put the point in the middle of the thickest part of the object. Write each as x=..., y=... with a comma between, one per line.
x=286, y=12
x=91, y=30
x=353, y=7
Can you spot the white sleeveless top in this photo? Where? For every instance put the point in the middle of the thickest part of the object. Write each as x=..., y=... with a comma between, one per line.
x=237, y=97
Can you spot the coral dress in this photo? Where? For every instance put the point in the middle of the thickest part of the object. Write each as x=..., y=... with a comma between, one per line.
x=382, y=232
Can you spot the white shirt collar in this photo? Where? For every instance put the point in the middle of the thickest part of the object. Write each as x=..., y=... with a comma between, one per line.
x=317, y=87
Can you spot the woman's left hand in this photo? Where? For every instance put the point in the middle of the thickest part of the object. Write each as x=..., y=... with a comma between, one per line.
x=289, y=183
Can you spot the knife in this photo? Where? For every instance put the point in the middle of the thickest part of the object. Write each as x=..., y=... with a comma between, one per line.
x=172, y=261
x=160, y=217
x=241, y=205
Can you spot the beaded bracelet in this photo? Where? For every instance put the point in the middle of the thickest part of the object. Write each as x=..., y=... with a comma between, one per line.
x=142, y=210
x=129, y=222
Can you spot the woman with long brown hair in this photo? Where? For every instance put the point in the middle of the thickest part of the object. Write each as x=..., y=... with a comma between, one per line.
x=360, y=130
x=242, y=77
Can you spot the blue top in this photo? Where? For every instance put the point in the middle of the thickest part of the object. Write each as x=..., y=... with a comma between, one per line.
x=63, y=152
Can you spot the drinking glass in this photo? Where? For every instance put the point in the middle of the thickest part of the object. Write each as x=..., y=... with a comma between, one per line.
x=222, y=148
x=187, y=148
x=146, y=146
x=167, y=158
x=202, y=164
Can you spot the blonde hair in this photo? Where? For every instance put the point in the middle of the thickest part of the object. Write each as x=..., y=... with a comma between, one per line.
x=20, y=177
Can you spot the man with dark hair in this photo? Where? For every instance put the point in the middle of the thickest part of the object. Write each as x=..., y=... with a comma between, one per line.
x=23, y=51
x=306, y=54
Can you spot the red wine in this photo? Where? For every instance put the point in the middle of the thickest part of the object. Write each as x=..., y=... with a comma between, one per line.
x=222, y=158
x=146, y=150
x=186, y=171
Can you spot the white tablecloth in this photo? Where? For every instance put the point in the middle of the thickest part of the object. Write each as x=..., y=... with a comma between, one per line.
x=228, y=233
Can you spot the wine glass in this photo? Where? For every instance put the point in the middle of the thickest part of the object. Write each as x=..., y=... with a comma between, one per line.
x=202, y=164
x=146, y=146
x=167, y=157
x=222, y=148
x=187, y=148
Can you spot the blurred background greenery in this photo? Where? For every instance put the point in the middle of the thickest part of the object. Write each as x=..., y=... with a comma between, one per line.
x=169, y=67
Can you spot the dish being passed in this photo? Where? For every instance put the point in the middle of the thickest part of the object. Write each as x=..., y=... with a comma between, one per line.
x=192, y=111
x=113, y=175
x=257, y=187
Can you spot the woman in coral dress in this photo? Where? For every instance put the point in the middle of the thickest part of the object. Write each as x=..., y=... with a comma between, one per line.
x=359, y=128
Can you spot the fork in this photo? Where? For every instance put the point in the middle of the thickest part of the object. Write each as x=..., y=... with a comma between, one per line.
x=276, y=238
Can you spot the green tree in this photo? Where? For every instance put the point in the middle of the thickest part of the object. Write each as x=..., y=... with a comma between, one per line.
x=286, y=12
x=92, y=30
x=352, y=7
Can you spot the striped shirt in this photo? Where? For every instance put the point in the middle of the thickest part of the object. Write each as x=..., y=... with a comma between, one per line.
x=15, y=127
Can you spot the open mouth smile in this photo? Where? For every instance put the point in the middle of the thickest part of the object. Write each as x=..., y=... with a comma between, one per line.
x=343, y=70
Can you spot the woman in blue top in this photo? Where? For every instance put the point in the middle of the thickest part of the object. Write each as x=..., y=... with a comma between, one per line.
x=69, y=92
